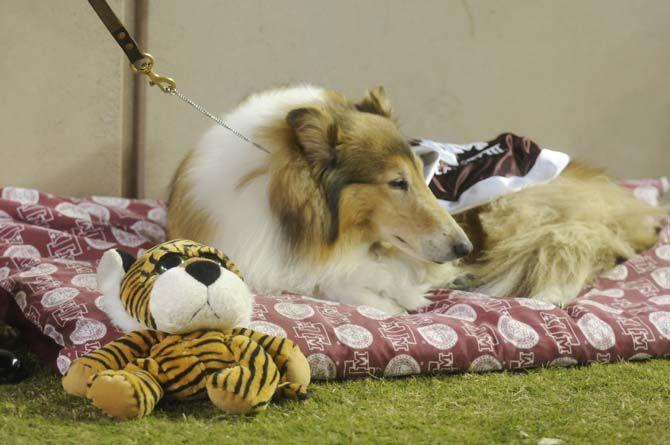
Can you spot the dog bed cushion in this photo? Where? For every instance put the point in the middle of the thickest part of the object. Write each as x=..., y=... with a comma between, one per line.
x=50, y=246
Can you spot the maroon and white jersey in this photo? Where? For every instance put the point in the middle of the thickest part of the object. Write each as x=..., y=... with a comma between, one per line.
x=463, y=176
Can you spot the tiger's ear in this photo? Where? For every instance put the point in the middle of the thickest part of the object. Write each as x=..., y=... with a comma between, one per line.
x=316, y=133
x=112, y=267
x=375, y=102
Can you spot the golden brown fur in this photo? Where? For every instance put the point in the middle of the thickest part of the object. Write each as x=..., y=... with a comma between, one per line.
x=340, y=182
x=330, y=182
x=550, y=241
x=184, y=216
x=329, y=169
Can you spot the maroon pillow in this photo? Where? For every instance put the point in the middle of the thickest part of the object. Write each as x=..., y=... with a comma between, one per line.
x=50, y=246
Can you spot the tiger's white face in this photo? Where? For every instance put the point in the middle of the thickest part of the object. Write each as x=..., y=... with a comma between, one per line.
x=199, y=294
x=176, y=287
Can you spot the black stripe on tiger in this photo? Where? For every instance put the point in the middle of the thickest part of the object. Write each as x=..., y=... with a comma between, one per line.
x=252, y=368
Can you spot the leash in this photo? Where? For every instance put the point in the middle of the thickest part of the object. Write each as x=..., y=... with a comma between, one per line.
x=143, y=63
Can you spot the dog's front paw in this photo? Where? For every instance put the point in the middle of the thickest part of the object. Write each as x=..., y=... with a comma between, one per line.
x=390, y=307
x=379, y=301
x=416, y=303
x=463, y=282
x=558, y=295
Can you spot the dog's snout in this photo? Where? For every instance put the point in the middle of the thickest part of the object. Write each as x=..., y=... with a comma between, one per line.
x=205, y=272
x=462, y=249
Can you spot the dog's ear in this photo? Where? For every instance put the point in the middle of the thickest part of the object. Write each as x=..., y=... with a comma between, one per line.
x=316, y=133
x=375, y=102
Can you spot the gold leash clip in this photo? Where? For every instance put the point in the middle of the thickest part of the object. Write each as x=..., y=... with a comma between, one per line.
x=166, y=84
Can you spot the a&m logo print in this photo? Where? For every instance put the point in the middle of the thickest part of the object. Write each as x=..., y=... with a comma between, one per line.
x=443, y=364
x=38, y=215
x=560, y=330
x=332, y=314
x=315, y=335
x=10, y=233
x=259, y=311
x=398, y=334
x=524, y=360
x=485, y=337
x=360, y=365
x=63, y=245
x=639, y=332
x=68, y=311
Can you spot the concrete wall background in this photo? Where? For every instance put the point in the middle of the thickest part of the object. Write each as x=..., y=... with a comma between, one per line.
x=588, y=77
x=64, y=99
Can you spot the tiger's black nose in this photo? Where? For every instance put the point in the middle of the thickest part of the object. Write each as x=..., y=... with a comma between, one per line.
x=462, y=249
x=206, y=272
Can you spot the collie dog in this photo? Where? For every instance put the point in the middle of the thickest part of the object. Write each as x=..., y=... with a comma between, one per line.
x=339, y=209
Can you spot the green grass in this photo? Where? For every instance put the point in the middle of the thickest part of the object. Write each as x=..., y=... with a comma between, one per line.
x=621, y=403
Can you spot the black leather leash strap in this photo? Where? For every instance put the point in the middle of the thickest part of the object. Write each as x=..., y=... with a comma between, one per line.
x=117, y=30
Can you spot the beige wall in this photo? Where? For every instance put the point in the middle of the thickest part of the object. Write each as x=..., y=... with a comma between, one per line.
x=64, y=98
x=587, y=77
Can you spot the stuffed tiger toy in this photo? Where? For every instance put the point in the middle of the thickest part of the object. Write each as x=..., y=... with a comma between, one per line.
x=184, y=306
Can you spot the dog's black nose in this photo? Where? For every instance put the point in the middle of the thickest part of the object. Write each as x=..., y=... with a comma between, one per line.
x=206, y=272
x=462, y=249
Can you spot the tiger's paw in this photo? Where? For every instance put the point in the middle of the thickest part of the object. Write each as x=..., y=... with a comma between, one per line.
x=293, y=391
x=113, y=393
x=228, y=391
x=75, y=382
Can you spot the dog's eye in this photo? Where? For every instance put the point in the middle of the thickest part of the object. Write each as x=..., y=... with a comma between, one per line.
x=168, y=262
x=400, y=184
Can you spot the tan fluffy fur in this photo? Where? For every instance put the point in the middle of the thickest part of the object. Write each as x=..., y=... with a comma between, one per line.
x=328, y=190
x=550, y=241
x=324, y=213
x=369, y=151
x=184, y=215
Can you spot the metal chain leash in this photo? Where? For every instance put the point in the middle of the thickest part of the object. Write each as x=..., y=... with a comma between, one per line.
x=169, y=86
x=203, y=110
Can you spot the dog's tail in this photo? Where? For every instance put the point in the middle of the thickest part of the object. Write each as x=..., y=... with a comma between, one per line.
x=550, y=262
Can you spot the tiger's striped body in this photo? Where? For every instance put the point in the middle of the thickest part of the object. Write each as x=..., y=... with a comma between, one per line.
x=240, y=370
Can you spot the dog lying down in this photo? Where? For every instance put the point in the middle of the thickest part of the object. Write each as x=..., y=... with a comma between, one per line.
x=340, y=210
